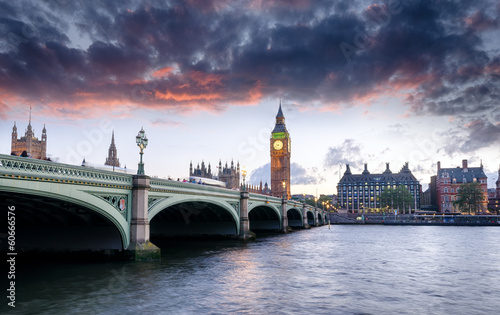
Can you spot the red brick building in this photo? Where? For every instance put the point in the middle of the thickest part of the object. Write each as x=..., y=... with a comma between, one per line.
x=449, y=180
x=494, y=197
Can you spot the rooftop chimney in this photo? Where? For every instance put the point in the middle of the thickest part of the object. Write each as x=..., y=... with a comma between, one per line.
x=439, y=165
x=464, y=165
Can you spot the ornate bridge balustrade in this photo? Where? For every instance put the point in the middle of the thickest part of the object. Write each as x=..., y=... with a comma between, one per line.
x=63, y=206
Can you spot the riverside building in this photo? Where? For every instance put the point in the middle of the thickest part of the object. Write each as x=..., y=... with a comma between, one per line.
x=450, y=179
x=361, y=192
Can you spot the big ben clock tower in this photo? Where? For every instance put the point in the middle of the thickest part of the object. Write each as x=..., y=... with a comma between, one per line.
x=280, y=157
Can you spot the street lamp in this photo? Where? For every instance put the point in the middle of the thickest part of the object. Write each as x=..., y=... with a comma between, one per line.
x=284, y=190
x=142, y=143
x=244, y=174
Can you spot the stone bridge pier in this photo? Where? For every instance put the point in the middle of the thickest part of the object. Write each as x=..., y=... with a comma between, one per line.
x=304, y=217
x=140, y=247
x=284, y=216
x=75, y=208
x=245, y=233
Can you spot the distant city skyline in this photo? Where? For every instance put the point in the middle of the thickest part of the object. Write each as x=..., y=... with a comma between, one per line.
x=360, y=82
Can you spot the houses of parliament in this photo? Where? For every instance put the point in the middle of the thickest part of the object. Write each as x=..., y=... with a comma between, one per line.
x=280, y=151
x=29, y=145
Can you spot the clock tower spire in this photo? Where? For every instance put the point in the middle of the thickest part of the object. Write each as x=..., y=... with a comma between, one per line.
x=280, y=157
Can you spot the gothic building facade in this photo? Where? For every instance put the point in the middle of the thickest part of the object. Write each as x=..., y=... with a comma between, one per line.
x=361, y=192
x=230, y=175
x=112, y=159
x=227, y=174
x=34, y=148
x=280, y=147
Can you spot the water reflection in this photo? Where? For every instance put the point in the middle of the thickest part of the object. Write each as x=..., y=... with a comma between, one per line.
x=345, y=270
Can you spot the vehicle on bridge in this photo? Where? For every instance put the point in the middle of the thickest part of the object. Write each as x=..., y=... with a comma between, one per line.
x=108, y=168
x=207, y=181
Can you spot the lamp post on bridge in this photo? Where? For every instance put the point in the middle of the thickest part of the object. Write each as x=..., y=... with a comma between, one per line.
x=284, y=189
x=284, y=217
x=245, y=233
x=244, y=174
x=142, y=143
x=140, y=245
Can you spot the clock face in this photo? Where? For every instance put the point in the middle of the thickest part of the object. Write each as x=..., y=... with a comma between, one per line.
x=278, y=145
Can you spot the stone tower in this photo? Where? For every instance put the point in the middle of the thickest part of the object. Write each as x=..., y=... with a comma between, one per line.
x=230, y=175
x=36, y=149
x=280, y=157
x=112, y=159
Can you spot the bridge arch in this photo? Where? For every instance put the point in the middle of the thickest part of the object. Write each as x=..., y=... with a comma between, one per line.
x=79, y=211
x=295, y=218
x=310, y=218
x=191, y=215
x=320, y=219
x=264, y=216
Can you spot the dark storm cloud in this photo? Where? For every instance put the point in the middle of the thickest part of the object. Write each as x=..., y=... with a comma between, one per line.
x=473, y=135
x=187, y=54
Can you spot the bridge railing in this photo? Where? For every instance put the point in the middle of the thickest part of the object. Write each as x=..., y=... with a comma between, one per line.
x=264, y=198
x=194, y=188
x=22, y=167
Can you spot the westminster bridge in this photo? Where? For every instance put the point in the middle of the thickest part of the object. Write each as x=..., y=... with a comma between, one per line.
x=66, y=207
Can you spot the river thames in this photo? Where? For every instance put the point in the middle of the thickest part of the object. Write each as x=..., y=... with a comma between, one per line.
x=343, y=270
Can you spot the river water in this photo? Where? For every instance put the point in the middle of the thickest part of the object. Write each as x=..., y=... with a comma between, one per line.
x=343, y=270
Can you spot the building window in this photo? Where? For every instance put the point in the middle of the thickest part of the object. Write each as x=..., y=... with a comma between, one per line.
x=446, y=189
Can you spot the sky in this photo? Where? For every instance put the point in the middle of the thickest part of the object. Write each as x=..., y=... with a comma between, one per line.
x=360, y=82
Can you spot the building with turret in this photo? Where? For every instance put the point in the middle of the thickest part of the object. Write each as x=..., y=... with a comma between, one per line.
x=230, y=175
x=29, y=144
x=450, y=179
x=227, y=174
x=281, y=150
x=201, y=171
x=361, y=192
x=112, y=159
